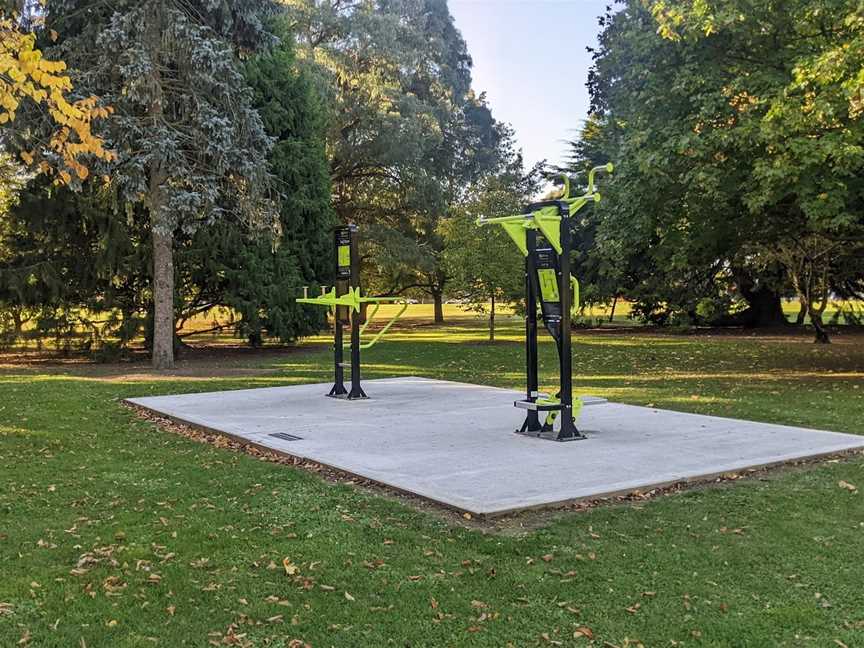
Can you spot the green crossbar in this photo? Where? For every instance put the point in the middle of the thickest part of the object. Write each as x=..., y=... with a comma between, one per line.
x=352, y=299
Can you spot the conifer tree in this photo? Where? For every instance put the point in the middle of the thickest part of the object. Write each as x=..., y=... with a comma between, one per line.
x=191, y=148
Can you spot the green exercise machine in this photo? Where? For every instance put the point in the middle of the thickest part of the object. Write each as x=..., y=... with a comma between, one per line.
x=544, y=235
x=350, y=308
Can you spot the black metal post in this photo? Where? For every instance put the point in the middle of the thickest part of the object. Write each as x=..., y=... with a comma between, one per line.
x=532, y=422
x=568, y=428
x=341, y=283
x=356, y=389
x=338, y=359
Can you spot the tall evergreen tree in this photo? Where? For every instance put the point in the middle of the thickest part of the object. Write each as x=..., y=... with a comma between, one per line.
x=69, y=255
x=256, y=279
x=191, y=148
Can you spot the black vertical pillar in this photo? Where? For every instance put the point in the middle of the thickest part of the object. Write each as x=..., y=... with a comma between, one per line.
x=340, y=235
x=356, y=389
x=338, y=361
x=568, y=429
x=532, y=422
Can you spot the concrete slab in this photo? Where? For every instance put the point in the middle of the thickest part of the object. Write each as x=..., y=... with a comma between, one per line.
x=453, y=443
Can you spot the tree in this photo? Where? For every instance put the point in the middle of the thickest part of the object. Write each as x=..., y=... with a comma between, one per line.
x=191, y=148
x=713, y=173
x=74, y=262
x=485, y=268
x=407, y=134
x=801, y=106
x=25, y=74
x=248, y=274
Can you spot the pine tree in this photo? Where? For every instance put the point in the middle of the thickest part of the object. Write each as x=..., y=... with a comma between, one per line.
x=191, y=148
x=252, y=277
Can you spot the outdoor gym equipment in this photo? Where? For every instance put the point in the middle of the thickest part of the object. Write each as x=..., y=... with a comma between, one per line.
x=544, y=235
x=349, y=307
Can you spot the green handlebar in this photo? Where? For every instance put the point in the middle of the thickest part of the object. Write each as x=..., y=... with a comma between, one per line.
x=592, y=191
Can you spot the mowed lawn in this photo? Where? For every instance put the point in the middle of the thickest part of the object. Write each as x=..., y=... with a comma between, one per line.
x=115, y=533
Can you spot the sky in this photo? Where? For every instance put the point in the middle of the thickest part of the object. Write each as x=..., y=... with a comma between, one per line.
x=529, y=56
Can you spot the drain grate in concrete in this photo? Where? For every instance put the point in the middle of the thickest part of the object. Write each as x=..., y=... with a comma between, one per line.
x=285, y=436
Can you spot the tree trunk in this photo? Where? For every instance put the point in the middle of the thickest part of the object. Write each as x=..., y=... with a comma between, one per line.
x=492, y=320
x=18, y=322
x=802, y=312
x=163, y=299
x=160, y=223
x=816, y=312
x=764, y=306
x=819, y=327
x=439, y=307
x=614, y=304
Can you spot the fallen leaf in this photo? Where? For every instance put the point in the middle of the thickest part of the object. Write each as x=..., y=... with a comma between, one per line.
x=547, y=558
x=171, y=609
x=349, y=597
x=583, y=631
x=852, y=488
x=290, y=568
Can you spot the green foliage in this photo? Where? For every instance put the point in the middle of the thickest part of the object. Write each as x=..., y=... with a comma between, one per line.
x=258, y=280
x=83, y=260
x=406, y=135
x=68, y=264
x=485, y=268
x=190, y=147
x=732, y=138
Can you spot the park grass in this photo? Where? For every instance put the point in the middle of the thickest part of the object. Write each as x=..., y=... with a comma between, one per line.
x=116, y=533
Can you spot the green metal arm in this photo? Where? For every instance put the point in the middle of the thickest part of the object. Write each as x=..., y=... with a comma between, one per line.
x=575, y=283
x=351, y=299
x=383, y=331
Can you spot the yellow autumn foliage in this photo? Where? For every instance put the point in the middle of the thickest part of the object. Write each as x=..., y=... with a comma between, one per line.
x=25, y=74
